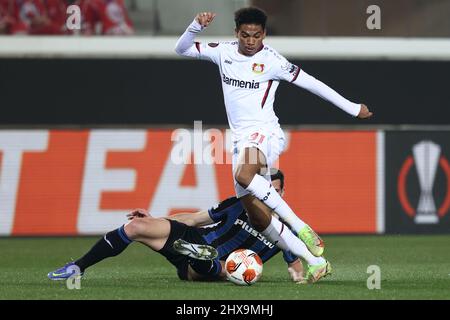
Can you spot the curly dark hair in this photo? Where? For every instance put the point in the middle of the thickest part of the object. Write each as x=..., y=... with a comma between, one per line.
x=250, y=15
x=277, y=174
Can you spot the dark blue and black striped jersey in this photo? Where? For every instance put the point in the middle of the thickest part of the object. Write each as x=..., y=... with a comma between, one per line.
x=233, y=231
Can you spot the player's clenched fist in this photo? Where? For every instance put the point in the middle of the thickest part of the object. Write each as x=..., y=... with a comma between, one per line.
x=364, y=112
x=205, y=18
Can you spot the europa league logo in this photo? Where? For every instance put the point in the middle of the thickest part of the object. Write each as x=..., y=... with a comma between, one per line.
x=427, y=159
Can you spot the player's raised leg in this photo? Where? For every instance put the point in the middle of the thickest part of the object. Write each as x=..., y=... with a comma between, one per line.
x=247, y=174
x=278, y=233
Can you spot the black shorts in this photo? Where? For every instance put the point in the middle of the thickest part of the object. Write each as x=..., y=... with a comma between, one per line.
x=180, y=230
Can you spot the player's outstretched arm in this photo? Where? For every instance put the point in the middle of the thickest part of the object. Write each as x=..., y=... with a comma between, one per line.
x=196, y=219
x=320, y=89
x=185, y=45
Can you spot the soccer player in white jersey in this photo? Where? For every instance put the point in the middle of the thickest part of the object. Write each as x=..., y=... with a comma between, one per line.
x=251, y=72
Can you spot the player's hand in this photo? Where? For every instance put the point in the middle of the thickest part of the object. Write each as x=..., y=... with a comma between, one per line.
x=138, y=213
x=364, y=113
x=295, y=275
x=295, y=270
x=205, y=18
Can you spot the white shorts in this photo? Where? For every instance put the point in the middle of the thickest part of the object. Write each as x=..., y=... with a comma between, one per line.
x=270, y=143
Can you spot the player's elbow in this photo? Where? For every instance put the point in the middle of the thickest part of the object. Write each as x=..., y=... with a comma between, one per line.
x=179, y=49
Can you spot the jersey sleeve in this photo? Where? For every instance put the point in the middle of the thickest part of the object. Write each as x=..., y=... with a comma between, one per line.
x=209, y=51
x=188, y=47
x=218, y=212
x=285, y=70
x=320, y=89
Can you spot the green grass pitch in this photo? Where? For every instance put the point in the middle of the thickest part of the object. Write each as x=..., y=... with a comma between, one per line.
x=412, y=267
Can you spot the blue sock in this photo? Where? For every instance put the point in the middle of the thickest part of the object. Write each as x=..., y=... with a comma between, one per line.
x=110, y=245
x=209, y=268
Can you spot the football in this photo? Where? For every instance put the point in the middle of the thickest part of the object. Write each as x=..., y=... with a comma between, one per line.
x=243, y=267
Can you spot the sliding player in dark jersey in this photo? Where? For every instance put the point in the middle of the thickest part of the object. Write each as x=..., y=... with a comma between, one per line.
x=197, y=252
x=232, y=230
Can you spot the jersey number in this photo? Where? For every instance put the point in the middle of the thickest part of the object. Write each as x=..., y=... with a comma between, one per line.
x=255, y=135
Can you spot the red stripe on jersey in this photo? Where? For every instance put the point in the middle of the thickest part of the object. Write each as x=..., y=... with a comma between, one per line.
x=266, y=94
x=296, y=74
x=197, y=45
x=282, y=228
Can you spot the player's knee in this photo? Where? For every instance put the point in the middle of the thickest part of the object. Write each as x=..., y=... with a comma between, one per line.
x=260, y=222
x=135, y=229
x=244, y=175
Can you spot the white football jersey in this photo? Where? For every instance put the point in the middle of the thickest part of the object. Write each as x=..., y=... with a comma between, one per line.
x=249, y=83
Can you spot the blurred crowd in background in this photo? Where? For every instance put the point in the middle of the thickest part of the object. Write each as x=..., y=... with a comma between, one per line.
x=399, y=18
x=48, y=17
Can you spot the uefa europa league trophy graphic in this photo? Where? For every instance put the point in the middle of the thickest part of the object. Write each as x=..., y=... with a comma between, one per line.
x=426, y=157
